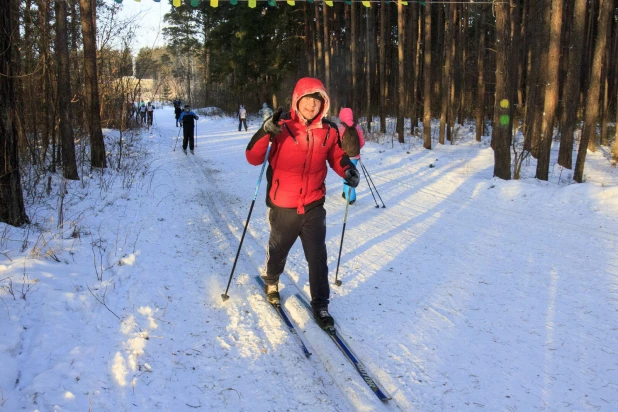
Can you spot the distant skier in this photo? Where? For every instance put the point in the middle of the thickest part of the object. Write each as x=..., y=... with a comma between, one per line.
x=177, y=112
x=142, y=113
x=187, y=120
x=265, y=111
x=242, y=117
x=150, y=112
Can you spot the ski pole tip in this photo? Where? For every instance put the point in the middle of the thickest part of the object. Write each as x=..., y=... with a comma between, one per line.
x=224, y=297
x=338, y=282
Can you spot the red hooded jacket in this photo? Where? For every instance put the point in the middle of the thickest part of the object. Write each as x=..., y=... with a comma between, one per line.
x=298, y=155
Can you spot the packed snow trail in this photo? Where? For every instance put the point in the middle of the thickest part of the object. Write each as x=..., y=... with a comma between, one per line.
x=464, y=293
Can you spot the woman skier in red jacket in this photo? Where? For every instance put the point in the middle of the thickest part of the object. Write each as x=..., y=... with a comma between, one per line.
x=302, y=144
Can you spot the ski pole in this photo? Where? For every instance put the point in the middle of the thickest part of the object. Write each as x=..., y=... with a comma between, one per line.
x=345, y=219
x=365, y=174
x=177, y=139
x=374, y=185
x=196, y=133
x=257, y=187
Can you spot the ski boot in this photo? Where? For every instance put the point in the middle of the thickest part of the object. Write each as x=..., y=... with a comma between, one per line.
x=272, y=294
x=324, y=319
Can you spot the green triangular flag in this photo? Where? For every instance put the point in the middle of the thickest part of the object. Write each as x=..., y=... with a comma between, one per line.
x=272, y=3
x=422, y=3
x=195, y=3
x=234, y=2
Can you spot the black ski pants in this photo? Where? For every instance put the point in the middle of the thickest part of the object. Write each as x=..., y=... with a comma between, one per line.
x=285, y=227
x=187, y=137
x=242, y=122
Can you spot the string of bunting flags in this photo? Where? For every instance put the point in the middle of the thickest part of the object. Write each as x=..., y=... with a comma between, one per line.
x=253, y=3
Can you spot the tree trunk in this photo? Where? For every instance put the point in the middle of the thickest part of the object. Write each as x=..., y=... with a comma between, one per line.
x=327, y=51
x=480, y=85
x=69, y=165
x=382, y=66
x=592, y=100
x=97, y=145
x=353, y=52
x=551, y=91
x=401, y=80
x=427, y=80
x=319, y=66
x=446, y=73
x=536, y=67
x=412, y=65
x=572, y=84
x=615, y=147
x=501, y=130
x=12, y=209
x=369, y=64
x=307, y=41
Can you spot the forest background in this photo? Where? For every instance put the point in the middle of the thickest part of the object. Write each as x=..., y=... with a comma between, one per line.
x=528, y=73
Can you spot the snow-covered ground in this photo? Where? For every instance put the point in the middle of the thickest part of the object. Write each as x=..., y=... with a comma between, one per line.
x=464, y=293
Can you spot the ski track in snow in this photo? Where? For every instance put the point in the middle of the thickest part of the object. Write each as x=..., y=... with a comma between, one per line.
x=464, y=293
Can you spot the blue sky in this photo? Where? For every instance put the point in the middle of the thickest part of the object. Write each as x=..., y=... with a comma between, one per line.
x=151, y=20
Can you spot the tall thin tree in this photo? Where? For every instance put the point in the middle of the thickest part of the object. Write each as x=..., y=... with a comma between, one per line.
x=65, y=124
x=91, y=87
x=401, y=80
x=12, y=208
x=572, y=84
x=592, y=101
x=427, y=79
x=551, y=91
x=502, y=121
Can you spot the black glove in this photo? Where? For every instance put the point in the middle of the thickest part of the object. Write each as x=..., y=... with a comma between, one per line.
x=271, y=125
x=352, y=177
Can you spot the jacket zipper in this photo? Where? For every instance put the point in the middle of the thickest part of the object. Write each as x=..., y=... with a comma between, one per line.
x=326, y=137
x=290, y=132
x=276, y=189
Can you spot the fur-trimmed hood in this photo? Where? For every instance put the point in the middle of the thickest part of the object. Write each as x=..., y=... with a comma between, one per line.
x=305, y=86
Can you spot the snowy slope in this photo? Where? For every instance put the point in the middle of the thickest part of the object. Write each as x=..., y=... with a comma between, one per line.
x=464, y=293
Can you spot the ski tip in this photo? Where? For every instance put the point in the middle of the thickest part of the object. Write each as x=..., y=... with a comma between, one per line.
x=224, y=297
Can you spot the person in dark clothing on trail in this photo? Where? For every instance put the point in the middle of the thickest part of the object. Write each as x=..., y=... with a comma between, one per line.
x=177, y=112
x=187, y=122
x=302, y=145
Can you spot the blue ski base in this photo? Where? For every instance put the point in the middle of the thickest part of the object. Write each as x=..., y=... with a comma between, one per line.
x=343, y=347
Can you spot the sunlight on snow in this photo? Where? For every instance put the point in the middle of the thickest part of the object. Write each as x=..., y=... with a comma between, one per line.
x=147, y=311
x=128, y=325
x=68, y=395
x=548, y=379
x=129, y=260
x=119, y=369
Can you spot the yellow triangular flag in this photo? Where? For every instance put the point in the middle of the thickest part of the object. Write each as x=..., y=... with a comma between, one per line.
x=176, y=3
x=291, y=2
x=252, y=4
x=366, y=3
x=328, y=2
x=214, y=3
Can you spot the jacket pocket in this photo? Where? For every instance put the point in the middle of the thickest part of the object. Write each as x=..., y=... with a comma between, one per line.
x=276, y=188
